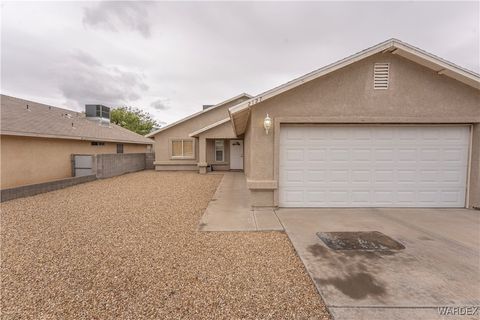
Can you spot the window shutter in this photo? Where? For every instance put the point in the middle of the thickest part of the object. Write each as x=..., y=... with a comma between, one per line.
x=381, y=75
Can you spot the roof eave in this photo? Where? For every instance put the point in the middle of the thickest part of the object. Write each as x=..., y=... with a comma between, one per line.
x=52, y=136
x=391, y=45
x=151, y=134
x=209, y=127
x=312, y=75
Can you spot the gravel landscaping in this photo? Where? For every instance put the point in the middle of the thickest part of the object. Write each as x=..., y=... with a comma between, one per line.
x=128, y=248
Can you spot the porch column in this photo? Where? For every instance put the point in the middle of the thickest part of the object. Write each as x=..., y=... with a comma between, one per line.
x=202, y=155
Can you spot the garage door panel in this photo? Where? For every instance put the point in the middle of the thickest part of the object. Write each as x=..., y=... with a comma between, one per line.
x=316, y=154
x=432, y=133
x=360, y=197
x=294, y=135
x=316, y=177
x=383, y=134
x=339, y=155
x=407, y=157
x=319, y=196
x=452, y=196
x=408, y=135
x=453, y=176
x=384, y=154
x=292, y=177
x=373, y=166
x=429, y=197
x=406, y=176
x=454, y=156
x=430, y=155
x=294, y=197
x=336, y=134
x=361, y=155
x=386, y=176
x=406, y=197
x=339, y=176
x=294, y=154
x=428, y=175
x=361, y=176
x=339, y=197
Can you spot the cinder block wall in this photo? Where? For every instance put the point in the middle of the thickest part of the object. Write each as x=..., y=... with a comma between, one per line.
x=149, y=159
x=33, y=189
x=110, y=165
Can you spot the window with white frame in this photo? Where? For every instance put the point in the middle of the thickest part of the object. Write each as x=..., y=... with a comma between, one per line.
x=183, y=149
x=219, y=150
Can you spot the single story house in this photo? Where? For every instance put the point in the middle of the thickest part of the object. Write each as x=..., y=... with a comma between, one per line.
x=390, y=126
x=203, y=139
x=38, y=140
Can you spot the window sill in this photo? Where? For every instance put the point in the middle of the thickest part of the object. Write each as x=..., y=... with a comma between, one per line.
x=182, y=158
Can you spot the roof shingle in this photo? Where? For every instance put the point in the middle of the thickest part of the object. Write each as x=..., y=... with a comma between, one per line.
x=40, y=120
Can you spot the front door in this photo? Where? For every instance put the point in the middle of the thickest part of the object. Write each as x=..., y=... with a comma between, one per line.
x=236, y=154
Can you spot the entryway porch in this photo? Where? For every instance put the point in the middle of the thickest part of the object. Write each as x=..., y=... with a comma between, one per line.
x=220, y=155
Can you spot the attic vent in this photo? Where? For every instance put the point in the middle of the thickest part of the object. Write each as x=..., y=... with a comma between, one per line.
x=381, y=75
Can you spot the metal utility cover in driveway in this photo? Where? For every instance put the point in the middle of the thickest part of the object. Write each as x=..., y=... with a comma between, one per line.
x=362, y=240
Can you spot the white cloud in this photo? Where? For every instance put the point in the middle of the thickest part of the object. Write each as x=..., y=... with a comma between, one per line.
x=161, y=104
x=84, y=80
x=187, y=54
x=118, y=16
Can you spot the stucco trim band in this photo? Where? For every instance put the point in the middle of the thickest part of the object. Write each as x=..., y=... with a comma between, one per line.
x=262, y=184
x=188, y=162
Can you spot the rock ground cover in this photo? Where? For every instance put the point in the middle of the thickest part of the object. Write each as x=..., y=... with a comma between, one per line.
x=128, y=248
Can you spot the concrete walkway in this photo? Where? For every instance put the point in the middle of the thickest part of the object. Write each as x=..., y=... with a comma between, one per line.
x=229, y=209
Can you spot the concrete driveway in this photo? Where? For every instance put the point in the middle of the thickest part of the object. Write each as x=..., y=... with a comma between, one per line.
x=439, y=267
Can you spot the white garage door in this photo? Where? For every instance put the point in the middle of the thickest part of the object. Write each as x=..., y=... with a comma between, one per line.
x=373, y=166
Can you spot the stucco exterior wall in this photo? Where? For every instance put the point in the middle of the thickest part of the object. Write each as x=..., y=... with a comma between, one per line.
x=415, y=95
x=474, y=194
x=28, y=160
x=246, y=151
x=182, y=130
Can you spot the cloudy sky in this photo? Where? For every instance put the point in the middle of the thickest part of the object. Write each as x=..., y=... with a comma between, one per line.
x=169, y=58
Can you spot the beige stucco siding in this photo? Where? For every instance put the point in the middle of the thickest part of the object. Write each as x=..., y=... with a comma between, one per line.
x=134, y=148
x=182, y=130
x=475, y=168
x=415, y=95
x=246, y=152
x=28, y=160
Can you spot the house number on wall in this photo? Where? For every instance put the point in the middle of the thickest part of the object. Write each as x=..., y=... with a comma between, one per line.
x=255, y=101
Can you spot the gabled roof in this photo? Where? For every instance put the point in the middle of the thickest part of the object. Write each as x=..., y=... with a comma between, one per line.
x=211, y=126
x=393, y=46
x=40, y=120
x=198, y=113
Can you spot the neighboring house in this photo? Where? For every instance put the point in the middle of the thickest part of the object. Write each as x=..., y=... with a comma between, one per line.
x=391, y=126
x=37, y=140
